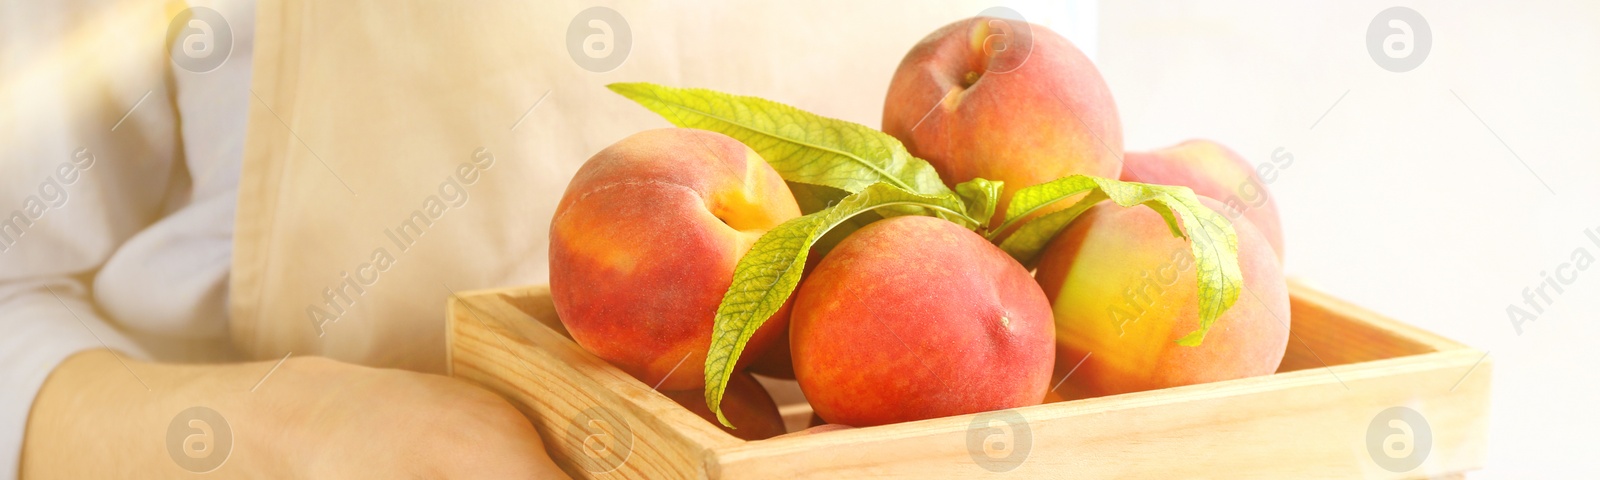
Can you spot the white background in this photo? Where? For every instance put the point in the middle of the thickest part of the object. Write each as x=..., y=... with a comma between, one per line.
x=1400, y=200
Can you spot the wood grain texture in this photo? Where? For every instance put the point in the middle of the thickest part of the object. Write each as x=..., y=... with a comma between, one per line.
x=596, y=421
x=1344, y=365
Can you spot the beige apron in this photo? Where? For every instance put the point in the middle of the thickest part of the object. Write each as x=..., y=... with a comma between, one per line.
x=401, y=150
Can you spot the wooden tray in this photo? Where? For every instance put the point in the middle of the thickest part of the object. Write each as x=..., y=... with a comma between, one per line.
x=1328, y=412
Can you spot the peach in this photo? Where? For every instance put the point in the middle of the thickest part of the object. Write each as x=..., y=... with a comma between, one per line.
x=1123, y=292
x=1215, y=171
x=776, y=362
x=1004, y=100
x=915, y=317
x=746, y=404
x=644, y=243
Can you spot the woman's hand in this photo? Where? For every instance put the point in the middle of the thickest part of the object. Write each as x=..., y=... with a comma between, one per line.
x=309, y=418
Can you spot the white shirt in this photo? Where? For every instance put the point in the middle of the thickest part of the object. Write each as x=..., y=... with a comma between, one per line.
x=114, y=232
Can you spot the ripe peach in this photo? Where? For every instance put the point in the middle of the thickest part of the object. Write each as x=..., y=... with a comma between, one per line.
x=644, y=243
x=776, y=362
x=1004, y=100
x=748, y=407
x=1123, y=291
x=1215, y=171
x=915, y=317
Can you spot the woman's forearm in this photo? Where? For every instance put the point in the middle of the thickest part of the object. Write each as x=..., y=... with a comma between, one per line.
x=102, y=416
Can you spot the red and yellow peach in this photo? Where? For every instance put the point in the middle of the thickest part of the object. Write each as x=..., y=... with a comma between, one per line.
x=915, y=317
x=644, y=243
x=1123, y=290
x=1004, y=100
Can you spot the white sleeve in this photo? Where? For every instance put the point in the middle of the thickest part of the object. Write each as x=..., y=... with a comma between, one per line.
x=88, y=148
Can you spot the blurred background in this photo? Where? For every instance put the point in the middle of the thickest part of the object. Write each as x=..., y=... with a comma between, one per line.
x=1434, y=196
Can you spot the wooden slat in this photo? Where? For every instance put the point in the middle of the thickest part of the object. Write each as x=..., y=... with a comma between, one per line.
x=1306, y=424
x=1309, y=421
x=1328, y=331
x=496, y=344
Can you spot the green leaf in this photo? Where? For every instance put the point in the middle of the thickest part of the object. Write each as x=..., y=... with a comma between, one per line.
x=767, y=274
x=803, y=147
x=981, y=195
x=1214, y=244
x=814, y=198
x=1025, y=244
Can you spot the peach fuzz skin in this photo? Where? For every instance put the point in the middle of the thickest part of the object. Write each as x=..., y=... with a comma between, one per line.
x=746, y=403
x=1049, y=117
x=644, y=243
x=915, y=317
x=1215, y=171
x=1123, y=292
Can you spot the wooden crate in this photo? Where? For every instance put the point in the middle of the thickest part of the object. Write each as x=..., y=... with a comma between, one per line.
x=1315, y=418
